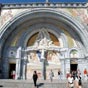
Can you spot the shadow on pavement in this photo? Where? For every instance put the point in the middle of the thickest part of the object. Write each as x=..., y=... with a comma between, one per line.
x=40, y=84
x=1, y=85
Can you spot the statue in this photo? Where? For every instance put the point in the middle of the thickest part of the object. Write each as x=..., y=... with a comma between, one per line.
x=42, y=54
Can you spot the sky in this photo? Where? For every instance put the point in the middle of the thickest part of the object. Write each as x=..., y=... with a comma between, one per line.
x=24, y=1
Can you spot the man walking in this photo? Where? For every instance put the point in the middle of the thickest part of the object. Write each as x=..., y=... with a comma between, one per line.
x=35, y=77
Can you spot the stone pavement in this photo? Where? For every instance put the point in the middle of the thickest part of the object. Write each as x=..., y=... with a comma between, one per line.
x=40, y=84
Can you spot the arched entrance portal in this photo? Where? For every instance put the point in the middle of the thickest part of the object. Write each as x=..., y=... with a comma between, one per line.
x=43, y=55
x=73, y=65
x=74, y=55
x=30, y=28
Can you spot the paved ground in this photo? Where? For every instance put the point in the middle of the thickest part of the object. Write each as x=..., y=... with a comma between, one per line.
x=40, y=84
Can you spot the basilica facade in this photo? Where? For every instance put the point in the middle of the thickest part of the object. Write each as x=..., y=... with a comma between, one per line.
x=43, y=37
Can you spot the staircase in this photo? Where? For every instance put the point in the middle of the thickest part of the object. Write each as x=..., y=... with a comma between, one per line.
x=40, y=84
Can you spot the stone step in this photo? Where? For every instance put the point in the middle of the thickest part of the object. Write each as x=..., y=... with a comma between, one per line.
x=40, y=84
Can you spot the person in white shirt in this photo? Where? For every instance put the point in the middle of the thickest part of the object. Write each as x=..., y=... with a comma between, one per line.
x=76, y=82
x=70, y=81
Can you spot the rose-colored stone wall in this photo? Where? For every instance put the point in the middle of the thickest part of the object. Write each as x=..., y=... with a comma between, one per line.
x=78, y=13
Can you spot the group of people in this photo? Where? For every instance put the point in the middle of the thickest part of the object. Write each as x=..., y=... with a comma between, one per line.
x=51, y=74
x=74, y=80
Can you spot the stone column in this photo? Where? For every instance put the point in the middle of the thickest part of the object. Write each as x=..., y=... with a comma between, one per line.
x=63, y=63
x=63, y=68
x=5, y=67
x=43, y=64
x=24, y=66
x=18, y=63
x=67, y=65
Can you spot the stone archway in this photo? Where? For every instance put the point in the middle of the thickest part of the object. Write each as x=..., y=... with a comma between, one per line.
x=44, y=13
x=43, y=56
x=42, y=16
x=74, y=56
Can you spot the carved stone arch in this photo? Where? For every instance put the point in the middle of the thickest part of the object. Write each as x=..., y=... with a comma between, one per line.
x=52, y=29
x=17, y=20
x=11, y=27
x=74, y=53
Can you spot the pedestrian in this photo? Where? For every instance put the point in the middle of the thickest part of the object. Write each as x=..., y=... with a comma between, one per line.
x=67, y=74
x=51, y=75
x=70, y=81
x=35, y=77
x=74, y=74
x=76, y=82
x=80, y=81
x=59, y=74
x=13, y=73
x=85, y=74
x=78, y=72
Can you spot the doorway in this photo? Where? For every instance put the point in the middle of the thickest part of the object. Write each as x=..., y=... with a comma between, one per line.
x=73, y=67
x=11, y=69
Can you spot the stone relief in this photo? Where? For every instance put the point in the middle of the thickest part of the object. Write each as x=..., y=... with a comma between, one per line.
x=82, y=14
x=43, y=41
x=6, y=15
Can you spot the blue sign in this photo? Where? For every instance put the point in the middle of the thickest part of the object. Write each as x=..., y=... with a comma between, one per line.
x=29, y=1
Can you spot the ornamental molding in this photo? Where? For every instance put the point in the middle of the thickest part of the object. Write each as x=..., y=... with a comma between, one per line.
x=44, y=5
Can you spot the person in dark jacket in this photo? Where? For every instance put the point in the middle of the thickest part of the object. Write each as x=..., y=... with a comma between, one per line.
x=80, y=82
x=35, y=77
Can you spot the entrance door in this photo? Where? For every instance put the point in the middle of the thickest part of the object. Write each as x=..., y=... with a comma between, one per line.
x=11, y=70
x=73, y=67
